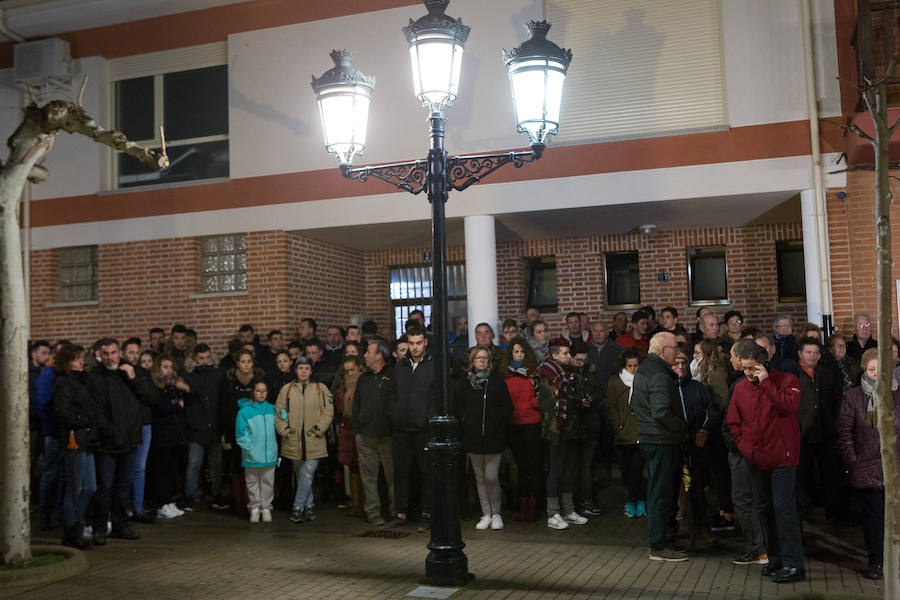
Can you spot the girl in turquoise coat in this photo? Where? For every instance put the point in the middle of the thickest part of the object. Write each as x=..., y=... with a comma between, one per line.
x=255, y=433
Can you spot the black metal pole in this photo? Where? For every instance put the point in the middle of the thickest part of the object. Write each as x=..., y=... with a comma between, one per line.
x=446, y=564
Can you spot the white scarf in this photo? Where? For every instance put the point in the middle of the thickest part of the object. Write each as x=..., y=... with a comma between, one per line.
x=628, y=379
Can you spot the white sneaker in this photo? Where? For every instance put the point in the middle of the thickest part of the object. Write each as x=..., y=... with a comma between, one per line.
x=496, y=522
x=178, y=512
x=88, y=532
x=172, y=510
x=266, y=515
x=165, y=512
x=574, y=517
x=484, y=523
x=557, y=522
x=254, y=515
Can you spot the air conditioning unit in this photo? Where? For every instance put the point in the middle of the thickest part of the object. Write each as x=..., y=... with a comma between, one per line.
x=43, y=63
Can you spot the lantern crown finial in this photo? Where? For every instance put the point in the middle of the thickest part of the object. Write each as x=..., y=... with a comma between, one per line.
x=537, y=44
x=437, y=21
x=343, y=71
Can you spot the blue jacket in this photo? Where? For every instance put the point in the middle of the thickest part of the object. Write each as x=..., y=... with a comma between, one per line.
x=43, y=390
x=254, y=432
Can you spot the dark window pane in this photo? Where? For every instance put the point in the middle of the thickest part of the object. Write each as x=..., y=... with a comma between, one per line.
x=709, y=280
x=134, y=108
x=186, y=163
x=542, y=282
x=195, y=103
x=791, y=271
x=623, y=282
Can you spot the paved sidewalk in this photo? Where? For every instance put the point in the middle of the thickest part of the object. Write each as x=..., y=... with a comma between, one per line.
x=210, y=555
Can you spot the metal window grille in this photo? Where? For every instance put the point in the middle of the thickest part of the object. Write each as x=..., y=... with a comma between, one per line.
x=411, y=290
x=223, y=264
x=78, y=274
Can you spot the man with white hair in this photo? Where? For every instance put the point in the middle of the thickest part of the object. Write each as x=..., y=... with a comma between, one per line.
x=862, y=337
x=661, y=430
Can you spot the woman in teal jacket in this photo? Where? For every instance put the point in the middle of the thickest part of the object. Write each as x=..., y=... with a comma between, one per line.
x=254, y=432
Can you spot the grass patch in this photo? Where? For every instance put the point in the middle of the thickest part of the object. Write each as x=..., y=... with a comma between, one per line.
x=41, y=560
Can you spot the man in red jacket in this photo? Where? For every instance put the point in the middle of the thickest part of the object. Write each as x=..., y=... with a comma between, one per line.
x=763, y=418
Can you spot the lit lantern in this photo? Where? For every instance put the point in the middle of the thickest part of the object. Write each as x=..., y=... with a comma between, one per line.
x=343, y=94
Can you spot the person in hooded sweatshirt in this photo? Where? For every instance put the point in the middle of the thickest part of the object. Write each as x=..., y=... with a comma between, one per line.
x=254, y=432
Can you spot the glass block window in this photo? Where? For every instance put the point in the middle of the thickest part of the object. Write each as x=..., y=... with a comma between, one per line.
x=708, y=275
x=411, y=290
x=623, y=280
x=192, y=105
x=78, y=274
x=223, y=264
x=542, y=283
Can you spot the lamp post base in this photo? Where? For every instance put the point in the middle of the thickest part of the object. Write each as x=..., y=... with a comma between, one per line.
x=446, y=564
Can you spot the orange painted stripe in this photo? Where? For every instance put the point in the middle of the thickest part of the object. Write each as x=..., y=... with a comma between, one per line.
x=739, y=144
x=205, y=26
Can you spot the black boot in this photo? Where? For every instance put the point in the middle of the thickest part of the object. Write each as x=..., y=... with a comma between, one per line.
x=874, y=571
x=72, y=536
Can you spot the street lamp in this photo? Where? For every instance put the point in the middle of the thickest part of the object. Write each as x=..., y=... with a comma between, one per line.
x=537, y=71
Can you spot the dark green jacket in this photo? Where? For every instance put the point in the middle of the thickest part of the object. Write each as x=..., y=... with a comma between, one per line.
x=655, y=403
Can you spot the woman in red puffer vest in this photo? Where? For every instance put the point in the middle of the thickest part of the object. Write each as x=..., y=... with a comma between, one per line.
x=519, y=369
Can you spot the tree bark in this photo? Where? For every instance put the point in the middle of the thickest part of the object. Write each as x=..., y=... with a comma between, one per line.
x=875, y=97
x=28, y=145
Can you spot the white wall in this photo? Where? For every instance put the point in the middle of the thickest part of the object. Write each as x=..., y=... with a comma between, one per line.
x=273, y=119
x=764, y=60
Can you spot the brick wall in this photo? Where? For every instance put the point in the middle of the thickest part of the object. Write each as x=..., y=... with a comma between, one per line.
x=851, y=236
x=156, y=283
x=750, y=256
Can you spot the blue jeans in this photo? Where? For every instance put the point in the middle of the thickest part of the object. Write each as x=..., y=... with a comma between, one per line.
x=196, y=452
x=304, y=471
x=140, y=467
x=50, y=482
x=115, y=476
x=78, y=492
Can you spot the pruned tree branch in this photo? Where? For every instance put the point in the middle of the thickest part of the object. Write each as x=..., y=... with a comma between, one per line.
x=855, y=129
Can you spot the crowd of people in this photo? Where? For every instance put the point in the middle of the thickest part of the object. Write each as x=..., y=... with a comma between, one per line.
x=725, y=427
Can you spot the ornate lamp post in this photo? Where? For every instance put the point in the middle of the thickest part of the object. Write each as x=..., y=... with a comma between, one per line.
x=537, y=70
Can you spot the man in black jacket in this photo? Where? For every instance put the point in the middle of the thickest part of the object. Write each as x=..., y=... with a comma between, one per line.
x=115, y=386
x=413, y=407
x=201, y=416
x=820, y=399
x=372, y=426
x=661, y=432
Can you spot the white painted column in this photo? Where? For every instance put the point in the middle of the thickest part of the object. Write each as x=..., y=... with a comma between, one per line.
x=481, y=273
x=811, y=257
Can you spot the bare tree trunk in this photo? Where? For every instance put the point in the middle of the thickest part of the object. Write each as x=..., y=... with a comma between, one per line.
x=14, y=456
x=875, y=96
x=28, y=145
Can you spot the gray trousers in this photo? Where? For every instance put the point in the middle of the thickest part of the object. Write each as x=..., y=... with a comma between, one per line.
x=374, y=452
x=260, y=487
x=744, y=508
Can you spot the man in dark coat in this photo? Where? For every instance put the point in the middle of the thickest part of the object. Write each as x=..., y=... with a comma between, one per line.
x=201, y=415
x=413, y=407
x=862, y=337
x=115, y=386
x=661, y=432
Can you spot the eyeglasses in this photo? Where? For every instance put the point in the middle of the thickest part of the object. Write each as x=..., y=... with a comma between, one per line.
x=863, y=325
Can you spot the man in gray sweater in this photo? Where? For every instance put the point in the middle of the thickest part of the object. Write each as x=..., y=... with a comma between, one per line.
x=661, y=430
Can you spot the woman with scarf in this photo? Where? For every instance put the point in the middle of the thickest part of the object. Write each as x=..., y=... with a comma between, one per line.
x=561, y=428
x=860, y=446
x=519, y=370
x=849, y=368
x=539, y=338
x=483, y=407
x=353, y=367
x=628, y=453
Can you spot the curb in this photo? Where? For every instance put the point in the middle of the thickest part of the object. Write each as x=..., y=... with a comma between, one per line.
x=75, y=563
